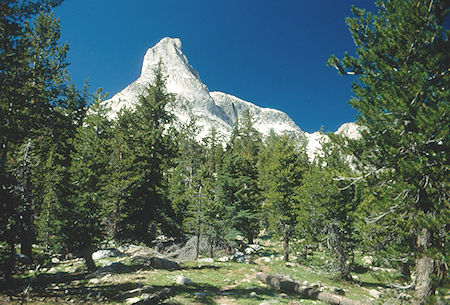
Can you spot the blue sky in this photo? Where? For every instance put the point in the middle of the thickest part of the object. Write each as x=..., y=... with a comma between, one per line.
x=270, y=52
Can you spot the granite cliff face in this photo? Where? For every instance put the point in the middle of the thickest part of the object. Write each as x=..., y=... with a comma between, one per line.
x=212, y=109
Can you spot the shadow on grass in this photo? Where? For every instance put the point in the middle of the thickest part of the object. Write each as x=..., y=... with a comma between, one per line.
x=43, y=279
x=201, y=267
x=61, y=286
x=375, y=284
x=360, y=269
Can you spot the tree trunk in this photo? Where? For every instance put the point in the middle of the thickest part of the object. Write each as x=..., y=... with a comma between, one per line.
x=289, y=286
x=10, y=263
x=285, y=246
x=197, y=245
x=344, y=267
x=87, y=255
x=425, y=267
x=26, y=234
x=250, y=239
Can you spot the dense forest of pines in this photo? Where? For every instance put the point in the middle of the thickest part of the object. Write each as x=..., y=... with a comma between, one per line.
x=72, y=179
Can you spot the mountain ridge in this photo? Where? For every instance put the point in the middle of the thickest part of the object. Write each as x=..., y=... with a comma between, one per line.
x=212, y=109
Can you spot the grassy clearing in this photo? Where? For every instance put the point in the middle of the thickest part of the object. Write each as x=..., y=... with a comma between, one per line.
x=225, y=283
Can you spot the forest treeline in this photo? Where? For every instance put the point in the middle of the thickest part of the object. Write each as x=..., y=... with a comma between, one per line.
x=71, y=178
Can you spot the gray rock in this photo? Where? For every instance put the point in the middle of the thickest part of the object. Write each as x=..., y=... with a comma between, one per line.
x=132, y=300
x=206, y=260
x=139, y=251
x=337, y=290
x=239, y=238
x=55, y=260
x=367, y=260
x=253, y=294
x=141, y=261
x=94, y=281
x=115, y=267
x=182, y=280
x=249, y=250
x=106, y=277
x=374, y=293
x=145, y=296
x=106, y=253
x=240, y=257
x=270, y=302
x=253, y=249
x=223, y=259
x=164, y=263
x=266, y=259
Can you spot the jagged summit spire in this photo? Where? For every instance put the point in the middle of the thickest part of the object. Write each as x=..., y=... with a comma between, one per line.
x=211, y=109
x=168, y=50
x=182, y=79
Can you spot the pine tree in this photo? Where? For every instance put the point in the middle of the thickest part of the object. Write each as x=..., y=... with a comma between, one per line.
x=239, y=183
x=19, y=110
x=190, y=155
x=219, y=230
x=283, y=165
x=402, y=97
x=121, y=176
x=81, y=215
x=326, y=213
x=54, y=148
x=146, y=210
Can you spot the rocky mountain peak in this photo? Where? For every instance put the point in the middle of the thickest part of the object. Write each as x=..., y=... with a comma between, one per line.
x=211, y=109
x=169, y=51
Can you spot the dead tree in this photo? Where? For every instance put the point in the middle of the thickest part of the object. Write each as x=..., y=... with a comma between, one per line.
x=289, y=286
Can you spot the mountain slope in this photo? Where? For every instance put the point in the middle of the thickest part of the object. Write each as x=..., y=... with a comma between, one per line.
x=211, y=109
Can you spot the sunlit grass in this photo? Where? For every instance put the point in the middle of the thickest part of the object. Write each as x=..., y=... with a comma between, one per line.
x=213, y=283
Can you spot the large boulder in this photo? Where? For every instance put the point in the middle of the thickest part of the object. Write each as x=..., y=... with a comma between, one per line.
x=164, y=263
x=100, y=254
x=116, y=267
x=134, y=250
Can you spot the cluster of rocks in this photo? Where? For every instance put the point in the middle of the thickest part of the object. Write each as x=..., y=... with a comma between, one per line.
x=141, y=255
x=245, y=256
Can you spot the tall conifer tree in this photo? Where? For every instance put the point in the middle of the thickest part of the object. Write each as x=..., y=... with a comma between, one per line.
x=239, y=184
x=81, y=214
x=402, y=96
x=20, y=109
x=283, y=165
x=146, y=209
